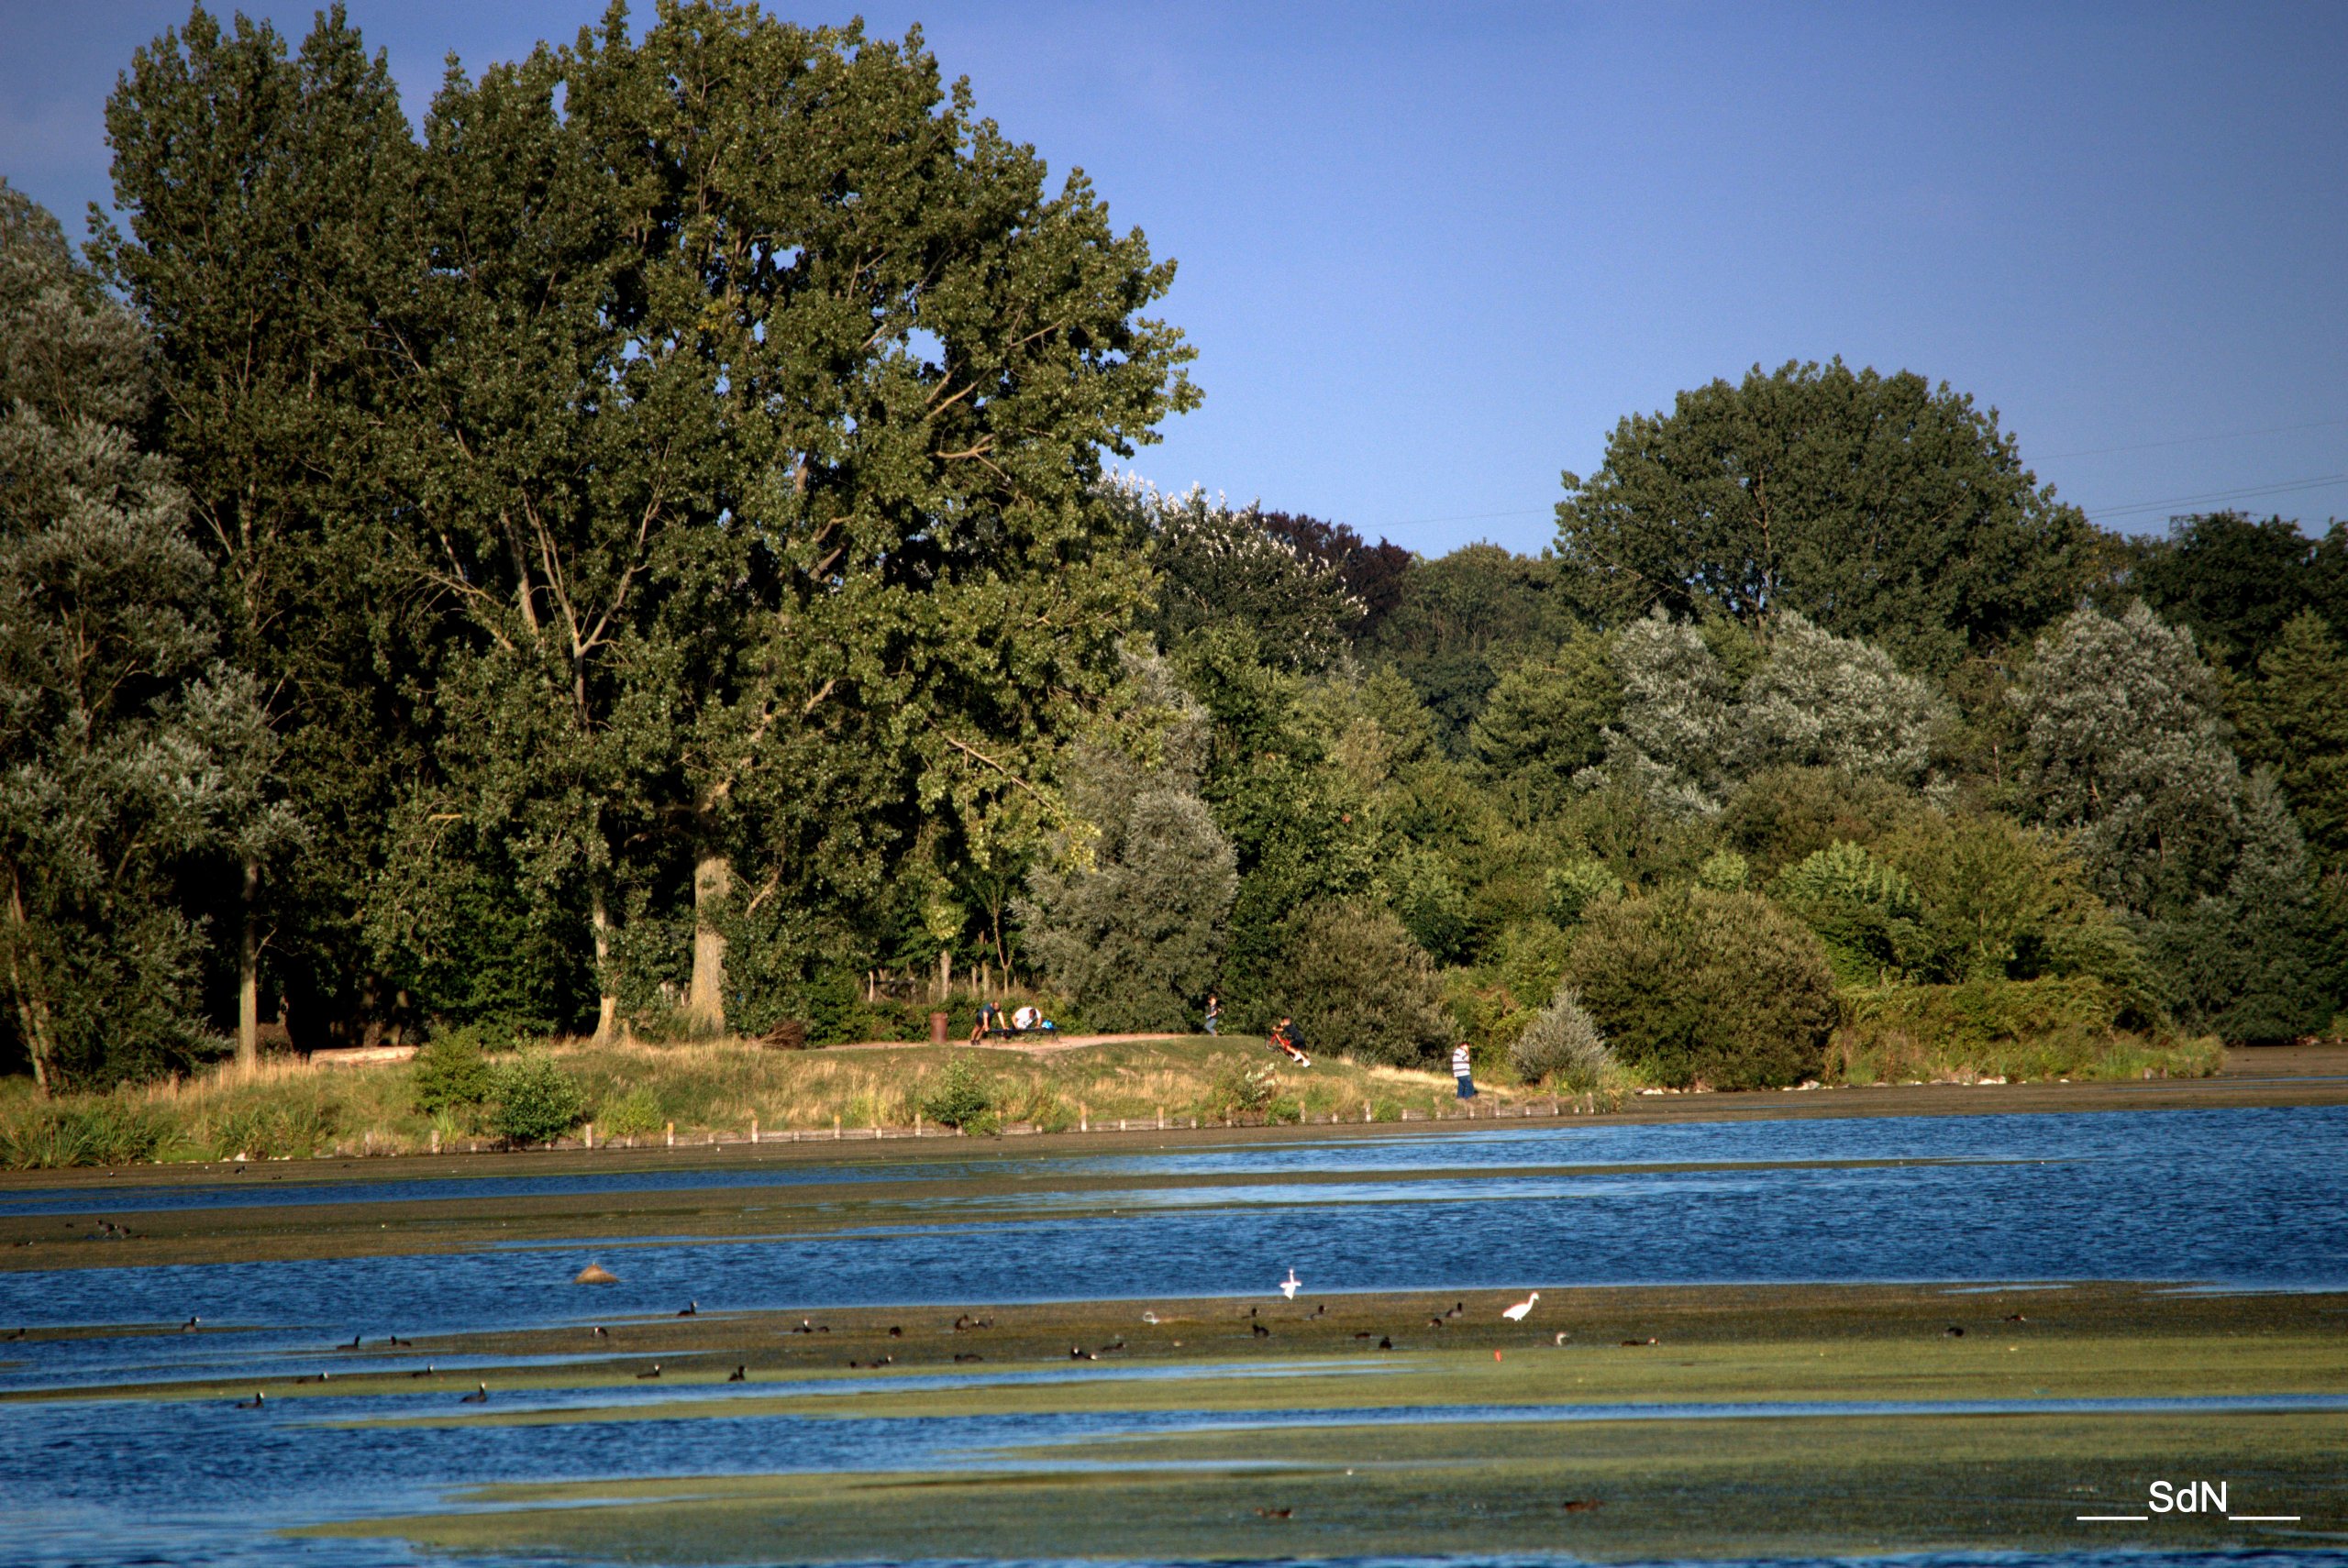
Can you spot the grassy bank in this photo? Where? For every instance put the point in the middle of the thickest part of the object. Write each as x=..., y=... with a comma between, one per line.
x=2012, y=1031
x=718, y=1091
x=715, y=1091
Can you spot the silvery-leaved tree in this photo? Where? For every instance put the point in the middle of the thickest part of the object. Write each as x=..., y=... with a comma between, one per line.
x=761, y=402
x=127, y=750
x=1131, y=918
x=1820, y=700
x=2125, y=749
x=1671, y=740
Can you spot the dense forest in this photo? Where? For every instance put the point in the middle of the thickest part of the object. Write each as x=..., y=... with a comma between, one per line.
x=652, y=551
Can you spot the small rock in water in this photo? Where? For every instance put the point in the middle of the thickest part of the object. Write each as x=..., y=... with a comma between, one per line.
x=594, y=1274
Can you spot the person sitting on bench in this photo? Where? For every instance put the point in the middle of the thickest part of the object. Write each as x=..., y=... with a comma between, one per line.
x=1283, y=1039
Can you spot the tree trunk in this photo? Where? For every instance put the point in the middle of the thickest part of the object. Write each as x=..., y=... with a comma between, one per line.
x=32, y=1011
x=249, y=975
x=607, y=1005
x=705, y=1000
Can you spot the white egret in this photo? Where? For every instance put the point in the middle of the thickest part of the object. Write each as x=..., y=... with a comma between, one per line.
x=1516, y=1314
x=1288, y=1286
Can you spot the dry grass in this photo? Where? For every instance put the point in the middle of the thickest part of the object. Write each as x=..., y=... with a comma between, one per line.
x=707, y=1090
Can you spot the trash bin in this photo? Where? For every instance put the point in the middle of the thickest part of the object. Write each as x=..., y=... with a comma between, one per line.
x=938, y=1029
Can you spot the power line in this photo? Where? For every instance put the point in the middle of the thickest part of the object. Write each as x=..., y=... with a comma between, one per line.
x=2242, y=493
x=2186, y=440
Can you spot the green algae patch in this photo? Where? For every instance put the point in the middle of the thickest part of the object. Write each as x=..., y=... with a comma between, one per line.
x=1540, y=1374
x=1608, y=1491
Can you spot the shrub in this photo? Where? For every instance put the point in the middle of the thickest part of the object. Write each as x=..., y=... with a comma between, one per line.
x=2065, y=1027
x=450, y=1074
x=1697, y=986
x=536, y=1100
x=109, y=1131
x=1357, y=984
x=1241, y=1084
x=1864, y=911
x=1139, y=936
x=958, y=1099
x=1723, y=871
x=636, y=1114
x=1563, y=1042
x=1576, y=885
x=291, y=1128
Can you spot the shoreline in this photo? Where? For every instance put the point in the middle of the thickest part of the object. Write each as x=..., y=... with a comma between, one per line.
x=2263, y=1077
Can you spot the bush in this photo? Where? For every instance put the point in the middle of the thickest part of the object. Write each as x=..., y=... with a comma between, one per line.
x=1138, y=937
x=1864, y=911
x=1357, y=984
x=1695, y=985
x=536, y=1100
x=109, y=1131
x=1576, y=885
x=1241, y=1084
x=289, y=1128
x=636, y=1114
x=1564, y=1042
x=2066, y=1027
x=450, y=1074
x=958, y=1099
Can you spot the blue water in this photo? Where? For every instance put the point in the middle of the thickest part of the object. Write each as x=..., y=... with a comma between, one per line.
x=2247, y=1198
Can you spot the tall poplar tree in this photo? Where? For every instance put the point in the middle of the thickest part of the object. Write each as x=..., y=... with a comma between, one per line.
x=268, y=230
x=763, y=400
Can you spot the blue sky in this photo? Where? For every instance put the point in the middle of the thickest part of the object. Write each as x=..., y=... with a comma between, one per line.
x=1430, y=254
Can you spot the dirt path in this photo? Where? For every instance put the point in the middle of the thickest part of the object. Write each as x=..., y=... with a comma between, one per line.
x=1041, y=1046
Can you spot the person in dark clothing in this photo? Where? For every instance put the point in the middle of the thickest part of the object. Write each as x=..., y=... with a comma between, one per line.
x=1283, y=1039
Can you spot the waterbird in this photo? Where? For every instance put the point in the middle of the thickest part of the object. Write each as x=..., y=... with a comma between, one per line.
x=1634, y=1344
x=1458, y=1308
x=895, y=1332
x=397, y=1341
x=1275, y=1513
x=429, y=1371
x=1288, y=1286
x=2016, y=1317
x=1516, y=1314
x=967, y=1355
x=690, y=1309
x=478, y=1397
x=1953, y=1332
x=252, y=1403
x=1562, y=1337
x=189, y=1326
x=1261, y=1333
x=740, y=1375
x=354, y=1344
x=1149, y=1317
x=602, y=1333
x=654, y=1372
x=1385, y=1342
x=1078, y=1353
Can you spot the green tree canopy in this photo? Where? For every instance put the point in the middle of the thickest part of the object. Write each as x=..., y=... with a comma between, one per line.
x=1879, y=506
x=2231, y=581
x=124, y=743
